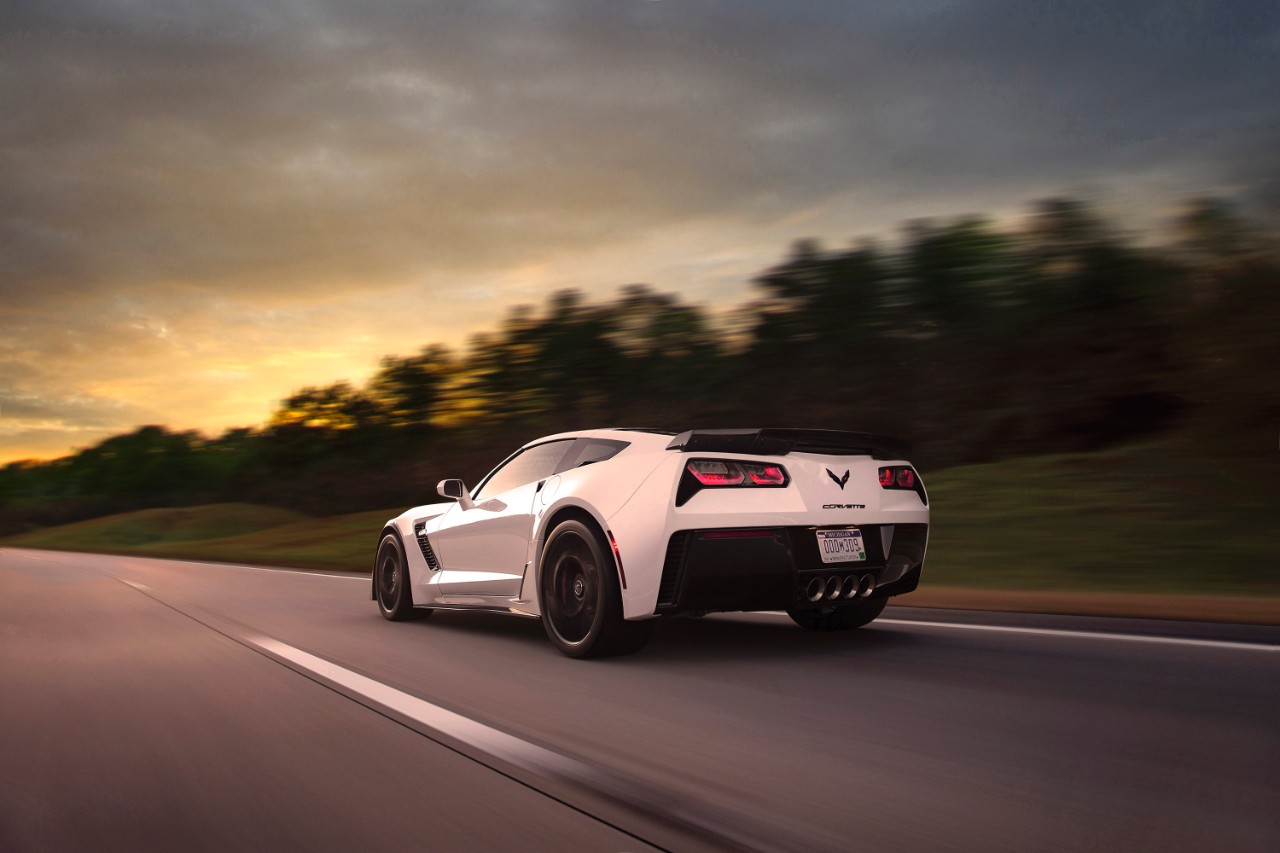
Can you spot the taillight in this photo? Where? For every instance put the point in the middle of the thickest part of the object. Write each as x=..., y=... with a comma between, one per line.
x=765, y=475
x=903, y=477
x=728, y=473
x=712, y=472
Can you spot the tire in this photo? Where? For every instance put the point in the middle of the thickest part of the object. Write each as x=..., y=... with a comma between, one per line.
x=580, y=599
x=840, y=618
x=391, y=582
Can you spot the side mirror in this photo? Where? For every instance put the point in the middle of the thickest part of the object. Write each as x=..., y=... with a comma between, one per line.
x=455, y=490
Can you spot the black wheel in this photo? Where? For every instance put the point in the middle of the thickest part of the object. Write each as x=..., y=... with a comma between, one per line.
x=391, y=582
x=840, y=618
x=581, y=601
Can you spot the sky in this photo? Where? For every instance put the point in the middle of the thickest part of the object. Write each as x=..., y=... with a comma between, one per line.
x=208, y=204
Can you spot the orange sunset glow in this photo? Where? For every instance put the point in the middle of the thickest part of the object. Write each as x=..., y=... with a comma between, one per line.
x=209, y=206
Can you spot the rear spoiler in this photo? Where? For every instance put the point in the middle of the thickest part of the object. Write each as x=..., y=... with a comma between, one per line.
x=780, y=442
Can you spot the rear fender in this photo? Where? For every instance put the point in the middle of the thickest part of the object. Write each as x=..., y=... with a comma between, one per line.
x=599, y=497
x=544, y=522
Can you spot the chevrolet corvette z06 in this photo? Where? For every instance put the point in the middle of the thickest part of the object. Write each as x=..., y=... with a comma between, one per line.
x=602, y=533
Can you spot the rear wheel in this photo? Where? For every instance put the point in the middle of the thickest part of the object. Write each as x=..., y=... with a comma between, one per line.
x=391, y=582
x=840, y=618
x=580, y=597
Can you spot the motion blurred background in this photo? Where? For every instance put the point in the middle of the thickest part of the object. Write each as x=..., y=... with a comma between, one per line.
x=289, y=261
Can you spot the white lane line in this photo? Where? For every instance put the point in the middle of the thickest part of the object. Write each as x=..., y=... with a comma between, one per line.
x=496, y=743
x=1087, y=635
x=679, y=814
x=137, y=585
x=347, y=577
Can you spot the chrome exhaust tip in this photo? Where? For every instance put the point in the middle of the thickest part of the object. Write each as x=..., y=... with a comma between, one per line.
x=833, y=588
x=849, y=587
x=865, y=585
x=814, y=589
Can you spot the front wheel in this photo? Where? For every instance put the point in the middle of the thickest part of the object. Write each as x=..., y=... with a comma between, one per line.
x=841, y=618
x=581, y=600
x=391, y=582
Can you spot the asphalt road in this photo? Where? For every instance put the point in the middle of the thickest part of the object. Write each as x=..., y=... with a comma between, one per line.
x=148, y=704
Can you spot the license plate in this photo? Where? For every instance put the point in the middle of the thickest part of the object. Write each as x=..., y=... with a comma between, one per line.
x=841, y=546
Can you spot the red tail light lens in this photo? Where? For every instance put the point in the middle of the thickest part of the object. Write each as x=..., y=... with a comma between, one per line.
x=765, y=475
x=903, y=477
x=713, y=472
x=721, y=473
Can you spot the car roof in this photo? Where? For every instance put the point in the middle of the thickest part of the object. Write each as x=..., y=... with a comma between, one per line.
x=632, y=435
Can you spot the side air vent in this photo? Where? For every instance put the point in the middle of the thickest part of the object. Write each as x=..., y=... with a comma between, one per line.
x=672, y=569
x=425, y=546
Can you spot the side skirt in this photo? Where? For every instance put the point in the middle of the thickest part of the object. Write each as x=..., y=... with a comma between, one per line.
x=481, y=608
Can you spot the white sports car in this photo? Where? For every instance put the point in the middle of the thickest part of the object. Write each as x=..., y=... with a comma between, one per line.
x=599, y=533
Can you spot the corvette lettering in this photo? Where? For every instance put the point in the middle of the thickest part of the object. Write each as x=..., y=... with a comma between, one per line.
x=844, y=506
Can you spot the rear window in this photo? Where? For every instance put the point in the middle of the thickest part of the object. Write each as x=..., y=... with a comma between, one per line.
x=585, y=451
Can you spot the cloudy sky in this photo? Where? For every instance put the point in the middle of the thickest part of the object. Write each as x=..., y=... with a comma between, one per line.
x=206, y=204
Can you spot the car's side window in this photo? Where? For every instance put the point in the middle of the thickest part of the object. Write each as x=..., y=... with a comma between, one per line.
x=535, y=463
x=588, y=450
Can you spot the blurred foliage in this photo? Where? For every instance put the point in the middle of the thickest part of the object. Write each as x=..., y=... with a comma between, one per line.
x=1196, y=528
x=976, y=341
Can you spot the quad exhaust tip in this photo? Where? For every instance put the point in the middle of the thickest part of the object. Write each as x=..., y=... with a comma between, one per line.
x=814, y=590
x=834, y=587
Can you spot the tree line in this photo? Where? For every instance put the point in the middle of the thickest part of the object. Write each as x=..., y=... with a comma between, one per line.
x=973, y=340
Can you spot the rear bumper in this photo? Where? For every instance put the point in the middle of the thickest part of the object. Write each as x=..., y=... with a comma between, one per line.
x=774, y=568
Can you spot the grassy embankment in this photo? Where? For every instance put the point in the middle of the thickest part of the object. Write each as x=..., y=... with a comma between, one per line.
x=239, y=533
x=1134, y=530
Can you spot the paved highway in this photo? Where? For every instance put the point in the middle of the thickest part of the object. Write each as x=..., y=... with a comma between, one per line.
x=150, y=704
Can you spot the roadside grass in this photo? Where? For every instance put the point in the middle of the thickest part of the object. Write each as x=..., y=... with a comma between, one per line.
x=345, y=542
x=1143, y=518
x=149, y=528
x=1138, y=519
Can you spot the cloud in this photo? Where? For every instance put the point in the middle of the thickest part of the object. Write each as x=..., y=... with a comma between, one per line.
x=43, y=415
x=180, y=183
